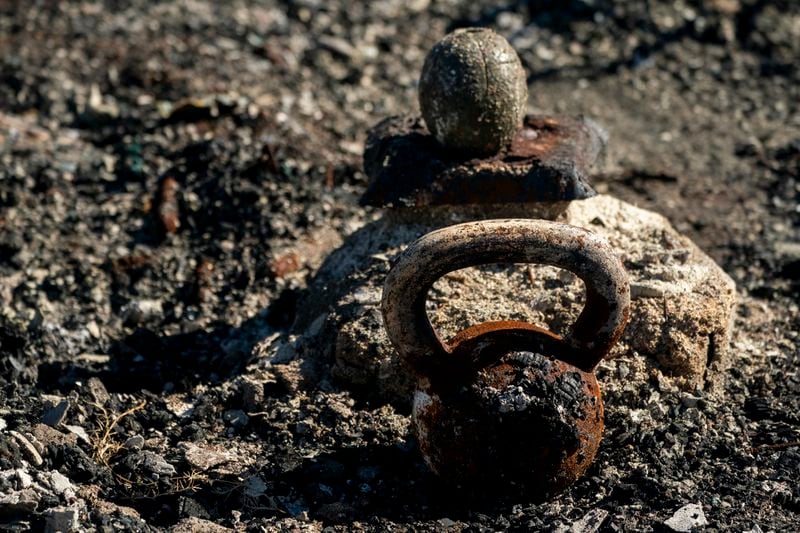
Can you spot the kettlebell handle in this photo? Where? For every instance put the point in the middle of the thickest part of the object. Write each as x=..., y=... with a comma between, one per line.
x=430, y=257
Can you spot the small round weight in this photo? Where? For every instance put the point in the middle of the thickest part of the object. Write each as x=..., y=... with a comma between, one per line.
x=472, y=91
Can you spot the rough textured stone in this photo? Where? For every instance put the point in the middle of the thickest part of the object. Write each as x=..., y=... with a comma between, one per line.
x=198, y=525
x=61, y=520
x=682, y=302
x=688, y=518
x=472, y=91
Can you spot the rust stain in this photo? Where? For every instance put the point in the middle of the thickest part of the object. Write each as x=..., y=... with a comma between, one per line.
x=285, y=264
x=548, y=160
x=168, y=213
x=203, y=277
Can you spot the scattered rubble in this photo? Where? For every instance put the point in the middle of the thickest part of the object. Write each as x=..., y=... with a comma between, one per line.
x=258, y=112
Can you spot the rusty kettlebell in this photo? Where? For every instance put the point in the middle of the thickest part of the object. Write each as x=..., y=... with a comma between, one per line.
x=507, y=406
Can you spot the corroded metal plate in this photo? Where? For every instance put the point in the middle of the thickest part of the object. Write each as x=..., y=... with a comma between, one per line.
x=548, y=160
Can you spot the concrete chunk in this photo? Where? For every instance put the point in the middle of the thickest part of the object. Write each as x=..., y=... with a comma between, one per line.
x=682, y=302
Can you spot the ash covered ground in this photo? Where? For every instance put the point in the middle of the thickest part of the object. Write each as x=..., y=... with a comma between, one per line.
x=171, y=173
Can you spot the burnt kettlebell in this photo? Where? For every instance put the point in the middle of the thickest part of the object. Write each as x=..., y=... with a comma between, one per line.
x=507, y=406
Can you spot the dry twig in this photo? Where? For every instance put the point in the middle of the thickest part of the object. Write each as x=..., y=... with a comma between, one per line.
x=104, y=446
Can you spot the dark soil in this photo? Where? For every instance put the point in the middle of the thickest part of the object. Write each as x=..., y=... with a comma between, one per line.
x=158, y=159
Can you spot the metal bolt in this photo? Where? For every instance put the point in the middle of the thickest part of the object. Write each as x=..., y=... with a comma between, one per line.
x=473, y=91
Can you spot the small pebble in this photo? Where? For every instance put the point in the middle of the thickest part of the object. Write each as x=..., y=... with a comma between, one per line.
x=687, y=518
x=28, y=449
x=135, y=442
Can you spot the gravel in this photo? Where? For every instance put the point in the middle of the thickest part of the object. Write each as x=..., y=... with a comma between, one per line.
x=159, y=160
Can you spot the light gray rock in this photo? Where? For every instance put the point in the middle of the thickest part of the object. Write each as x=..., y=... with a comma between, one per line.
x=20, y=501
x=198, y=525
x=79, y=432
x=28, y=449
x=205, y=457
x=97, y=390
x=589, y=523
x=136, y=442
x=61, y=519
x=23, y=478
x=681, y=312
x=140, y=311
x=61, y=483
x=150, y=462
x=687, y=518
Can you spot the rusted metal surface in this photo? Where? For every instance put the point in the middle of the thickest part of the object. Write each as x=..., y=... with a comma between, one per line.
x=548, y=160
x=539, y=442
x=507, y=405
x=168, y=210
x=582, y=252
